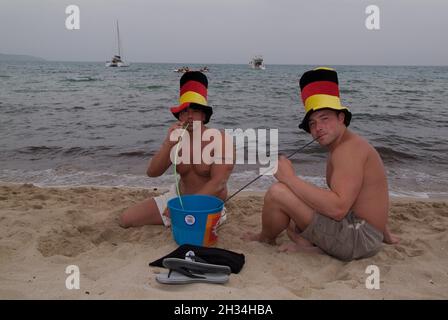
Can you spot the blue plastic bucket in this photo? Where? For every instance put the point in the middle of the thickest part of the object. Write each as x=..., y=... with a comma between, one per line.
x=196, y=223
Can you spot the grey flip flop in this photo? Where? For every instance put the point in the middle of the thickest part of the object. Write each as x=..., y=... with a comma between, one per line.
x=184, y=271
x=187, y=265
x=174, y=277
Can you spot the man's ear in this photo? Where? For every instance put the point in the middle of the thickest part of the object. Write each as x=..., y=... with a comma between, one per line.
x=341, y=116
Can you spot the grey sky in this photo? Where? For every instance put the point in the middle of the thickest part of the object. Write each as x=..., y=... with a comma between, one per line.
x=230, y=31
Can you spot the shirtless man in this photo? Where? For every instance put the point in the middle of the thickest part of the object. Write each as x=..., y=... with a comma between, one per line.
x=192, y=113
x=348, y=220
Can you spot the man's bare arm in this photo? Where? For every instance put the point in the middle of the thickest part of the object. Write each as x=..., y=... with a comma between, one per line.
x=161, y=161
x=346, y=182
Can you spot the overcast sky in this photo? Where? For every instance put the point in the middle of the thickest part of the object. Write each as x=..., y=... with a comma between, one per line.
x=412, y=32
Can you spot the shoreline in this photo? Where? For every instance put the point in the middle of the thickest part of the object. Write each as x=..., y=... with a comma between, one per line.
x=44, y=230
x=158, y=189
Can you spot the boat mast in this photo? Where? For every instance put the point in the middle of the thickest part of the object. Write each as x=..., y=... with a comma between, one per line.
x=118, y=35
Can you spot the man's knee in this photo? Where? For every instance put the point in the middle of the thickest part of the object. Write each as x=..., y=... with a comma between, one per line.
x=276, y=192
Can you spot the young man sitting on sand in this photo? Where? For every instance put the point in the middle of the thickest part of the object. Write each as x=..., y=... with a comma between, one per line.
x=200, y=178
x=348, y=220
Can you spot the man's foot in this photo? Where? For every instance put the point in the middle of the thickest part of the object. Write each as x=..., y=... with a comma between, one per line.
x=293, y=234
x=251, y=236
x=391, y=239
x=297, y=243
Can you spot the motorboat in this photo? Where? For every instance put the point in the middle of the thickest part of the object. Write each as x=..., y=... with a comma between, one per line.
x=257, y=63
x=182, y=70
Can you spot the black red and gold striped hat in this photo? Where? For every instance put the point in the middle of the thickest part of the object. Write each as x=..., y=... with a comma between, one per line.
x=193, y=94
x=320, y=90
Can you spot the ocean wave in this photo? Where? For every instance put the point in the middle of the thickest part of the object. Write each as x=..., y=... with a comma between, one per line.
x=154, y=87
x=75, y=176
x=409, y=194
x=393, y=155
x=227, y=123
x=39, y=150
x=346, y=91
x=390, y=118
x=144, y=87
x=28, y=90
x=137, y=153
x=357, y=81
x=407, y=91
x=67, y=176
x=82, y=79
x=56, y=150
x=152, y=125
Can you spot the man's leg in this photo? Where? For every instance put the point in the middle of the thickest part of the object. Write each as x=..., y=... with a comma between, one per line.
x=281, y=206
x=145, y=212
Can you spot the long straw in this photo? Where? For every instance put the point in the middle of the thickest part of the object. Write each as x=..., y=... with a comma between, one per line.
x=241, y=189
x=267, y=170
x=175, y=165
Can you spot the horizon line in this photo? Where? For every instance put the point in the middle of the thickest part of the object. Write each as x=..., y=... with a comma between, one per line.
x=40, y=59
x=224, y=63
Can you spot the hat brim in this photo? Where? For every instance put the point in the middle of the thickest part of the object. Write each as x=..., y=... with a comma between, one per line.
x=305, y=126
x=176, y=110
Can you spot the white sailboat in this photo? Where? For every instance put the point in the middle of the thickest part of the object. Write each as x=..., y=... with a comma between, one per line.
x=117, y=61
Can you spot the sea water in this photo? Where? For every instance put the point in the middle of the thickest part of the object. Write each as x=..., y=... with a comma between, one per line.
x=68, y=123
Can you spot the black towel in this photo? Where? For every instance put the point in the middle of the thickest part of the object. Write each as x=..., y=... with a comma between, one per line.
x=210, y=255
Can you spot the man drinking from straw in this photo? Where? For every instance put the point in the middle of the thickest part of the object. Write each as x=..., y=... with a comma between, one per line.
x=197, y=175
x=348, y=220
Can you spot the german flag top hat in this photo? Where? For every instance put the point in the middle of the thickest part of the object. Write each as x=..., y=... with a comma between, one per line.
x=193, y=94
x=320, y=90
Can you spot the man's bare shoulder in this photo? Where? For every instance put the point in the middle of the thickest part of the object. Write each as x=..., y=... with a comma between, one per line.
x=364, y=145
x=354, y=147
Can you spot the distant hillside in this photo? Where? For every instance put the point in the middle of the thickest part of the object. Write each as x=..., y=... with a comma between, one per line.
x=18, y=57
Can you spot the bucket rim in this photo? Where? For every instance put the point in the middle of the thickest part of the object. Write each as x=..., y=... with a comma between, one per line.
x=212, y=210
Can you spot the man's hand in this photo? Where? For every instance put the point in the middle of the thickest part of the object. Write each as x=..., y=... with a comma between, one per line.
x=175, y=126
x=285, y=170
x=166, y=213
x=161, y=161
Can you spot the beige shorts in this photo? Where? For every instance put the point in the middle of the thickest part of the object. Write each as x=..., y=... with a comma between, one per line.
x=162, y=203
x=348, y=239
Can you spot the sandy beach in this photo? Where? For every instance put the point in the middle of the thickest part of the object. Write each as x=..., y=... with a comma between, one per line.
x=44, y=230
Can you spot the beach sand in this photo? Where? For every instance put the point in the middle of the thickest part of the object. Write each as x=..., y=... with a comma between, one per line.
x=44, y=230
